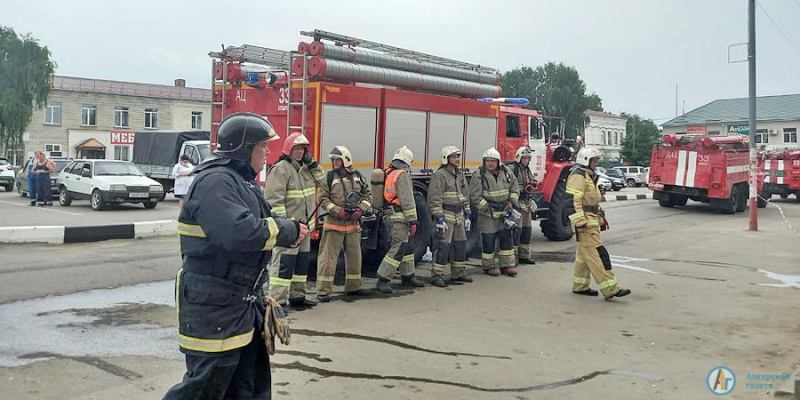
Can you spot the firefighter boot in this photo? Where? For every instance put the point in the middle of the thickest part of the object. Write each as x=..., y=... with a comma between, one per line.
x=462, y=278
x=510, y=271
x=411, y=280
x=359, y=292
x=492, y=272
x=383, y=286
x=527, y=261
x=438, y=282
x=620, y=293
x=302, y=302
x=587, y=292
x=324, y=298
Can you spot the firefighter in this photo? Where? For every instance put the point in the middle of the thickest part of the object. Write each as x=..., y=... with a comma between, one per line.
x=494, y=189
x=401, y=214
x=448, y=201
x=290, y=189
x=591, y=257
x=527, y=206
x=227, y=233
x=345, y=197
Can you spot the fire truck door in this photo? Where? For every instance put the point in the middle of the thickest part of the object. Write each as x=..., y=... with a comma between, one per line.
x=512, y=137
x=352, y=126
x=537, y=142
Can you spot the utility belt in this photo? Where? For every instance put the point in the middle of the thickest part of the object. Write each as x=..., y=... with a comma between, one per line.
x=453, y=208
x=592, y=209
x=245, y=277
x=392, y=209
x=498, y=205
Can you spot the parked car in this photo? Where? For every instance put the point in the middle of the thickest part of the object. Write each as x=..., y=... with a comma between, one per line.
x=105, y=182
x=604, y=183
x=6, y=174
x=22, y=176
x=617, y=182
x=634, y=175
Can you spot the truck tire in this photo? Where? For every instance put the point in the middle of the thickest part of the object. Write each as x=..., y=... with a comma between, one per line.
x=150, y=204
x=557, y=226
x=667, y=203
x=424, y=236
x=729, y=205
x=763, y=197
x=743, y=196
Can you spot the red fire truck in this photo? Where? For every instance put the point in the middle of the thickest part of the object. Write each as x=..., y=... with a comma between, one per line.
x=374, y=98
x=708, y=169
x=781, y=173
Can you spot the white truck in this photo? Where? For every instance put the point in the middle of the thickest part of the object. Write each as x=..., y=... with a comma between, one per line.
x=156, y=152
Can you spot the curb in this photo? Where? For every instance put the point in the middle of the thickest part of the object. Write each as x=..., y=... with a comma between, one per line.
x=623, y=197
x=85, y=234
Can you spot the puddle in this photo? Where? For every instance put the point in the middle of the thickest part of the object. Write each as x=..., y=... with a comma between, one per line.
x=95, y=323
x=788, y=281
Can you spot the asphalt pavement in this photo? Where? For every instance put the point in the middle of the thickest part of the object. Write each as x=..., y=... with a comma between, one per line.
x=97, y=321
x=16, y=211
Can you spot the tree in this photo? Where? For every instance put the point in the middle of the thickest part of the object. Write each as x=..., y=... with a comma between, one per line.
x=26, y=73
x=641, y=135
x=554, y=89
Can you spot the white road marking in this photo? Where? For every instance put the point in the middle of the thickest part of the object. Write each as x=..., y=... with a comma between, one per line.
x=39, y=208
x=635, y=268
x=788, y=280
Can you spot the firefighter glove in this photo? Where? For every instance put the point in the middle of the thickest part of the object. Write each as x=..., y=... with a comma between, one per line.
x=441, y=225
x=356, y=215
x=467, y=221
x=343, y=214
x=413, y=226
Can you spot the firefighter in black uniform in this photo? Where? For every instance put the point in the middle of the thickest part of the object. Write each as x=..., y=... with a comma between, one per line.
x=227, y=232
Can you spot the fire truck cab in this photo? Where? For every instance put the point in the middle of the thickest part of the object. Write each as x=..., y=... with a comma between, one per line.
x=375, y=98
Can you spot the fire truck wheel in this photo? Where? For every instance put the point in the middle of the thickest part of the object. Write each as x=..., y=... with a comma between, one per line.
x=743, y=195
x=729, y=206
x=557, y=226
x=422, y=239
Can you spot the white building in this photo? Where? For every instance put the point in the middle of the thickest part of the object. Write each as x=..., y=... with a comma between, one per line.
x=778, y=118
x=93, y=118
x=605, y=132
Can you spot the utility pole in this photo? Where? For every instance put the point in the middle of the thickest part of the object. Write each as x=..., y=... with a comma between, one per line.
x=751, y=61
x=676, y=100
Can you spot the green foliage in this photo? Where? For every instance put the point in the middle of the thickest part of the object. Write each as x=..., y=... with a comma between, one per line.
x=26, y=73
x=554, y=89
x=641, y=135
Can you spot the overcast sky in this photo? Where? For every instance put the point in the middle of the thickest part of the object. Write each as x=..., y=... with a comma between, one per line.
x=631, y=52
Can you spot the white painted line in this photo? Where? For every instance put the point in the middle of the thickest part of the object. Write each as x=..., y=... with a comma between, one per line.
x=680, y=172
x=692, y=169
x=39, y=208
x=626, y=259
x=634, y=268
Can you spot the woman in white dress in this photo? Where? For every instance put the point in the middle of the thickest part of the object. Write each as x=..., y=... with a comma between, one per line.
x=182, y=171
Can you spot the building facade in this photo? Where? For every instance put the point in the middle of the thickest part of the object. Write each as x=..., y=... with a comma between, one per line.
x=778, y=119
x=93, y=118
x=605, y=132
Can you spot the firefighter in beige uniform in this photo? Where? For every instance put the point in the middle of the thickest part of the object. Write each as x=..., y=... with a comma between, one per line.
x=401, y=214
x=345, y=197
x=448, y=201
x=290, y=190
x=591, y=257
x=494, y=189
x=527, y=206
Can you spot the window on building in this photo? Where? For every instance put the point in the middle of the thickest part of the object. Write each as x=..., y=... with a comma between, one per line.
x=197, y=120
x=122, y=153
x=713, y=133
x=616, y=138
x=609, y=139
x=789, y=135
x=151, y=118
x=88, y=115
x=762, y=136
x=121, y=117
x=52, y=114
x=53, y=150
x=603, y=134
x=512, y=126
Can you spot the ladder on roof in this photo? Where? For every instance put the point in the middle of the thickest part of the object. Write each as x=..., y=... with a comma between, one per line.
x=303, y=80
x=342, y=40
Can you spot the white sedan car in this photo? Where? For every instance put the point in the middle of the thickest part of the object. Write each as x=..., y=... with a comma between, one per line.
x=604, y=183
x=105, y=182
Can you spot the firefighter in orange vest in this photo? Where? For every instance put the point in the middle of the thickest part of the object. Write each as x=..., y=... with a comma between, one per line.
x=448, y=201
x=591, y=257
x=401, y=214
x=494, y=189
x=527, y=206
x=345, y=197
x=290, y=190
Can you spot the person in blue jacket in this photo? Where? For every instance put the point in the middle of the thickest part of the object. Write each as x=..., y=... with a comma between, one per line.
x=227, y=232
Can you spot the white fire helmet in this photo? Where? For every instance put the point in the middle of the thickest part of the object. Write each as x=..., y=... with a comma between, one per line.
x=491, y=153
x=342, y=153
x=448, y=151
x=523, y=151
x=404, y=154
x=586, y=154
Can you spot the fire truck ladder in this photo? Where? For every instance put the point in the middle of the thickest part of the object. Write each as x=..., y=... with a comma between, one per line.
x=343, y=40
x=272, y=58
x=303, y=79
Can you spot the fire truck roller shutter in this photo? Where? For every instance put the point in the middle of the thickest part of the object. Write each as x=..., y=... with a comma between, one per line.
x=481, y=135
x=406, y=128
x=446, y=129
x=354, y=127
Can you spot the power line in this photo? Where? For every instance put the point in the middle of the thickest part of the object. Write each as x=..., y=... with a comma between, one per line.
x=778, y=27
